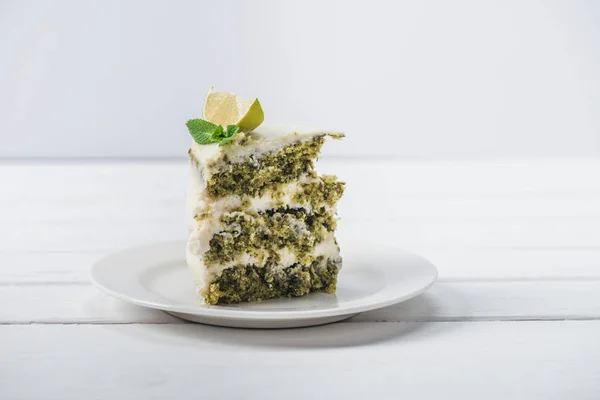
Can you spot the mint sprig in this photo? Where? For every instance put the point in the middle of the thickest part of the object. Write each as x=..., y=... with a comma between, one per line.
x=205, y=132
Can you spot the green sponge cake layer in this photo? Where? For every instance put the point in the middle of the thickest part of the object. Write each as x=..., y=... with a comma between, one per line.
x=265, y=233
x=250, y=283
x=254, y=176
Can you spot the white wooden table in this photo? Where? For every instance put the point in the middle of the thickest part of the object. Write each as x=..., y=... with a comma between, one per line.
x=515, y=314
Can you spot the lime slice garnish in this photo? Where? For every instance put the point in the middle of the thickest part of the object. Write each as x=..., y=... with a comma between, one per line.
x=224, y=108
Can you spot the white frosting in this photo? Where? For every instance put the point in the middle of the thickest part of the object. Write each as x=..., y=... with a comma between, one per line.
x=327, y=248
x=265, y=139
x=278, y=130
x=257, y=204
x=286, y=257
x=199, y=240
x=195, y=194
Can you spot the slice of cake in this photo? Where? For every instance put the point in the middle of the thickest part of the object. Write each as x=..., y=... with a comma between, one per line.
x=262, y=221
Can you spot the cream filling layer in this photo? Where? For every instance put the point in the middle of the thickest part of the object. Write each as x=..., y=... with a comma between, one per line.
x=198, y=202
x=205, y=275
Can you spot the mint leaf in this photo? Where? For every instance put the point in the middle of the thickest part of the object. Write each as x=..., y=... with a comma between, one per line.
x=205, y=132
x=218, y=133
x=229, y=134
x=202, y=131
x=225, y=141
x=232, y=130
x=203, y=138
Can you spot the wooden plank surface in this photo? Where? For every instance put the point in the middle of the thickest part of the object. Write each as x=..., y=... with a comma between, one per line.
x=516, y=313
x=445, y=301
x=466, y=360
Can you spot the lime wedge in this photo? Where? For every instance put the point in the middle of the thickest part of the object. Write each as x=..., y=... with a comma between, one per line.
x=224, y=108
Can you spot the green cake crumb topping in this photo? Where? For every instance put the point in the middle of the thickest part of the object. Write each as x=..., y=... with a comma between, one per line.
x=255, y=176
x=262, y=234
x=251, y=283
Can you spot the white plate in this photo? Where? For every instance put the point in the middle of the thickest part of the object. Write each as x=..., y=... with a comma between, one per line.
x=372, y=277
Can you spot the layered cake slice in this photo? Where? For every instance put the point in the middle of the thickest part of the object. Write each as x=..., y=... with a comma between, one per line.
x=262, y=221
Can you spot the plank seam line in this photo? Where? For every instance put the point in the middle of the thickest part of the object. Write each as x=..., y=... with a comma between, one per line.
x=577, y=279
x=488, y=319
x=580, y=278
x=408, y=320
x=43, y=283
x=109, y=250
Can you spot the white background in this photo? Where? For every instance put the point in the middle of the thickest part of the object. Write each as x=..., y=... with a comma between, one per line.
x=420, y=79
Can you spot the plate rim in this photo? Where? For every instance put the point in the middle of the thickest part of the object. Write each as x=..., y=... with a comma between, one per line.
x=218, y=312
